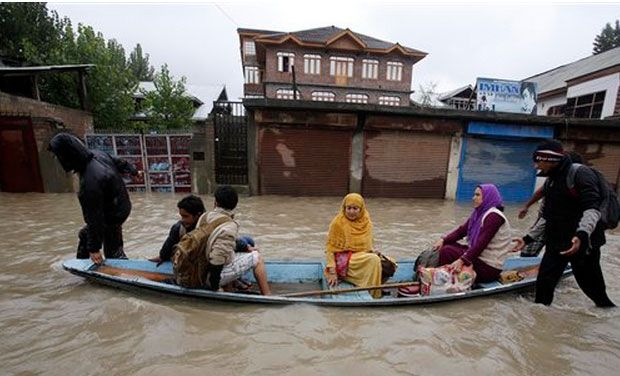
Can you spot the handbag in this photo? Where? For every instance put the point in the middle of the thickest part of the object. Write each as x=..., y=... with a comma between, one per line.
x=388, y=266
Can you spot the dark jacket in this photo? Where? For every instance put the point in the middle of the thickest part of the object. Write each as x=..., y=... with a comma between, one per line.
x=564, y=209
x=103, y=195
x=174, y=236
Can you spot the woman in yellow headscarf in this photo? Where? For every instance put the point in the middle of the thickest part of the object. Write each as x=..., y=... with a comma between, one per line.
x=349, y=247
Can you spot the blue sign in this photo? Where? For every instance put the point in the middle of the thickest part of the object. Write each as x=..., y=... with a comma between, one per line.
x=506, y=96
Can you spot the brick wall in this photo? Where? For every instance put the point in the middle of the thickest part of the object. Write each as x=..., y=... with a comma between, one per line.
x=77, y=121
x=47, y=119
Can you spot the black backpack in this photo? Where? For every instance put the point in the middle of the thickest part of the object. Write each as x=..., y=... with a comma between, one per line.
x=610, y=207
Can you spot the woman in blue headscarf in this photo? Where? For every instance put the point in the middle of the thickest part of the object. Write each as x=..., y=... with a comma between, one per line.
x=488, y=237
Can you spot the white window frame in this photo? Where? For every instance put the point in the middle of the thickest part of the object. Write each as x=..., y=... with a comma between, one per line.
x=312, y=64
x=255, y=96
x=394, y=71
x=370, y=69
x=281, y=59
x=287, y=94
x=323, y=96
x=252, y=75
x=356, y=98
x=389, y=100
x=249, y=48
x=341, y=66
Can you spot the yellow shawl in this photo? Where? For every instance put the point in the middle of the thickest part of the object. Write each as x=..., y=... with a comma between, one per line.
x=347, y=235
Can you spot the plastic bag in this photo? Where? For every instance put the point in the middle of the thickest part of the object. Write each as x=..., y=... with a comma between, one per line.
x=443, y=280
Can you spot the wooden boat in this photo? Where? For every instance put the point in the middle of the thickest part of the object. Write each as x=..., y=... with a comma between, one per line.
x=289, y=281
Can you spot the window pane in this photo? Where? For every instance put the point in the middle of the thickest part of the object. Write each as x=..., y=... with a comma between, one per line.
x=585, y=99
x=599, y=97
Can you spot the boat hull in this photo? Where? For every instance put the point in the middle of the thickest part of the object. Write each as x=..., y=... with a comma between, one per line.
x=300, y=275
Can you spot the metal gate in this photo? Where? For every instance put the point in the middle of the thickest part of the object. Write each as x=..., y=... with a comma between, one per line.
x=230, y=143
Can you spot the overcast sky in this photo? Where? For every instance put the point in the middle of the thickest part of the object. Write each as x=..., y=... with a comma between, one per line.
x=463, y=41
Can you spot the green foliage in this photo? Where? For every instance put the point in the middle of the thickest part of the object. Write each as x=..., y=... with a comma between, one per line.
x=608, y=38
x=140, y=66
x=32, y=33
x=168, y=107
x=29, y=32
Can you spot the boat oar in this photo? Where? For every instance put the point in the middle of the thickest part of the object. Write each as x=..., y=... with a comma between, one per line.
x=350, y=289
x=153, y=276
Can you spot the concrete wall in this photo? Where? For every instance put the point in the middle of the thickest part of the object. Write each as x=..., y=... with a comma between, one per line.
x=609, y=84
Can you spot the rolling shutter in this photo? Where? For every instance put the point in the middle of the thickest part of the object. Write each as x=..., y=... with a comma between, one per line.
x=304, y=162
x=505, y=163
x=405, y=164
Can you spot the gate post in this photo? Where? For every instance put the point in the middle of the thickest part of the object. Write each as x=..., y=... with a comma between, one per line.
x=203, y=171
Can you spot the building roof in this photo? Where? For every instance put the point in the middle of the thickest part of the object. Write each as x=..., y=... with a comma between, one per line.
x=326, y=35
x=203, y=95
x=26, y=71
x=556, y=78
x=453, y=93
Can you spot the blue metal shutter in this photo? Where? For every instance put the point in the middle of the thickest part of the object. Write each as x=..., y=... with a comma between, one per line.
x=507, y=163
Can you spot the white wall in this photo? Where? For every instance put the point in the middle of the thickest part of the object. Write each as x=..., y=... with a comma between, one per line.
x=608, y=83
x=542, y=106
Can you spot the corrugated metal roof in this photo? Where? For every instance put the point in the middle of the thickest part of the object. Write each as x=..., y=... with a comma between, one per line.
x=556, y=78
x=450, y=94
x=5, y=70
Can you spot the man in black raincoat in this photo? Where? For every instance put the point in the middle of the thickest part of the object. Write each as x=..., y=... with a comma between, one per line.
x=569, y=226
x=103, y=196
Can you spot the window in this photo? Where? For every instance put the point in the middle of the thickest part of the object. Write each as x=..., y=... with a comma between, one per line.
x=249, y=48
x=559, y=110
x=323, y=96
x=341, y=66
x=312, y=64
x=254, y=96
x=285, y=61
x=389, y=101
x=356, y=98
x=286, y=94
x=252, y=75
x=394, y=71
x=370, y=68
x=586, y=106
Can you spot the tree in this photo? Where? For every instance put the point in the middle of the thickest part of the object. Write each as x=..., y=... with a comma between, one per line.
x=608, y=38
x=29, y=31
x=168, y=106
x=140, y=65
x=427, y=94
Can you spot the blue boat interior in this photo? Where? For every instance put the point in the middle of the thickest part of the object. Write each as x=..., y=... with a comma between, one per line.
x=297, y=276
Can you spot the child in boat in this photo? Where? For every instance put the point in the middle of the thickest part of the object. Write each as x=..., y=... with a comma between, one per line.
x=488, y=237
x=190, y=209
x=349, y=252
x=225, y=265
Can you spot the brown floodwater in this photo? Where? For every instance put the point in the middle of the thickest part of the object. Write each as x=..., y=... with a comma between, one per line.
x=55, y=323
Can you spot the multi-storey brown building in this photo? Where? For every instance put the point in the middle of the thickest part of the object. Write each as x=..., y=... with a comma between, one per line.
x=330, y=64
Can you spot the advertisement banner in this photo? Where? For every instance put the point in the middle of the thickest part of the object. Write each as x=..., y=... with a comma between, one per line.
x=506, y=96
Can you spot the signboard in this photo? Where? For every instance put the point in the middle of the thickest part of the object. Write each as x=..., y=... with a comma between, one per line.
x=506, y=96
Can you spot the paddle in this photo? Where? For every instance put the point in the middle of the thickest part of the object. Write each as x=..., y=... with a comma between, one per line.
x=351, y=289
x=153, y=276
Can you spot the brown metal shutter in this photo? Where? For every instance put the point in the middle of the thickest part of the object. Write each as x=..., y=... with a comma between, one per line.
x=405, y=164
x=304, y=162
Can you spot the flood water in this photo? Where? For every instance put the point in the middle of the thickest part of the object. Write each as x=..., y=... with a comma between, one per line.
x=55, y=323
